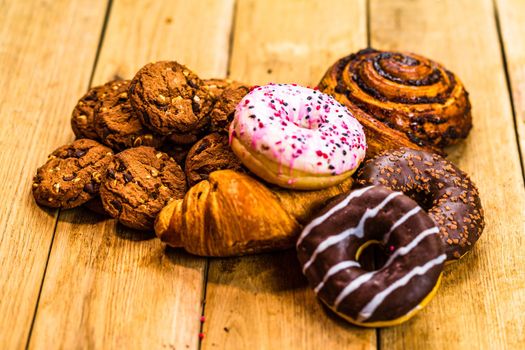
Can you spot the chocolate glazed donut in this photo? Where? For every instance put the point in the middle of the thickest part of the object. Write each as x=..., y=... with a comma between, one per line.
x=406, y=93
x=446, y=191
x=330, y=245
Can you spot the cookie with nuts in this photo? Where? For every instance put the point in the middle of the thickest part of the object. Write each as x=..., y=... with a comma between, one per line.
x=223, y=110
x=138, y=183
x=216, y=86
x=117, y=125
x=208, y=155
x=188, y=138
x=170, y=98
x=175, y=151
x=95, y=206
x=84, y=111
x=72, y=174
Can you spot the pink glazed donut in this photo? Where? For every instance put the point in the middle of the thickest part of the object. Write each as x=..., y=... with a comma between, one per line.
x=296, y=137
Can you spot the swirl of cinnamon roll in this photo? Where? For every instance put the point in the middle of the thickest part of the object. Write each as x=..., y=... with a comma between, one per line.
x=412, y=99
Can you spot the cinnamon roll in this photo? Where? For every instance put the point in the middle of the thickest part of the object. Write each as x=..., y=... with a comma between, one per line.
x=408, y=100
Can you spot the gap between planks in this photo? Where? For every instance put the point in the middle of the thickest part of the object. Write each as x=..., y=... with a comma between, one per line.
x=207, y=266
x=228, y=64
x=509, y=85
x=57, y=218
x=38, y=45
x=263, y=301
x=122, y=54
x=485, y=289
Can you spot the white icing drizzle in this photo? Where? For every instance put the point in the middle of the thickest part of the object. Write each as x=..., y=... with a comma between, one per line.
x=401, y=220
x=335, y=269
x=353, y=286
x=376, y=301
x=406, y=249
x=314, y=223
x=357, y=231
x=367, y=276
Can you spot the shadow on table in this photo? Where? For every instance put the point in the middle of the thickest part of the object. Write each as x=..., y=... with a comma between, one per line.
x=271, y=272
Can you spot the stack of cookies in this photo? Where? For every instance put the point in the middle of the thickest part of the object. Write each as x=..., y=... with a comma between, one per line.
x=141, y=143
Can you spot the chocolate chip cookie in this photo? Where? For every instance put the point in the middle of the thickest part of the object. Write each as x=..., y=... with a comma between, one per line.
x=84, y=111
x=188, y=138
x=138, y=183
x=215, y=87
x=169, y=98
x=116, y=123
x=95, y=205
x=210, y=154
x=72, y=174
x=224, y=107
x=176, y=151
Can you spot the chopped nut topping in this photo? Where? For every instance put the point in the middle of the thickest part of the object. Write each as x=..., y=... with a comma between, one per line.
x=96, y=176
x=82, y=118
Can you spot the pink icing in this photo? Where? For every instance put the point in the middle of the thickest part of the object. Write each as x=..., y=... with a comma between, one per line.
x=301, y=128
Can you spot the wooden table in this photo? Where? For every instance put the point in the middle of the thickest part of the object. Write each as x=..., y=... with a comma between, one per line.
x=70, y=280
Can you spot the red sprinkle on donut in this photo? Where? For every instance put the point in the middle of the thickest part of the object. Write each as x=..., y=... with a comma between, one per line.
x=302, y=127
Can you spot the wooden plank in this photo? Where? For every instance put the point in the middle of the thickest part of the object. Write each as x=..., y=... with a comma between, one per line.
x=480, y=304
x=511, y=15
x=107, y=287
x=263, y=302
x=47, y=52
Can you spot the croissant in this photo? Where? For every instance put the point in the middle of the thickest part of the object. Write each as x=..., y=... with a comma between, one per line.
x=232, y=214
x=407, y=100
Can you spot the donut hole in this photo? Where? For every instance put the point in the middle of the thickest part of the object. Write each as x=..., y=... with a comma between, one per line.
x=307, y=115
x=308, y=121
x=371, y=256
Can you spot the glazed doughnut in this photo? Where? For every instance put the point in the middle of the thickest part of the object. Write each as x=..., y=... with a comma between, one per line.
x=330, y=245
x=406, y=92
x=448, y=194
x=296, y=137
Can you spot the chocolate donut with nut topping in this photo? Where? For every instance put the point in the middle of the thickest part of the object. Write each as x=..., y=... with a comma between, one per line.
x=449, y=195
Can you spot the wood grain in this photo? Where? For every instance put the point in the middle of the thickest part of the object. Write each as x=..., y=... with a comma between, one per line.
x=477, y=306
x=294, y=41
x=109, y=287
x=106, y=286
x=39, y=84
x=263, y=302
x=194, y=33
x=511, y=15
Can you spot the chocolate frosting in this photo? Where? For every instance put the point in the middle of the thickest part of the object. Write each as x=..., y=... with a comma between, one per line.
x=328, y=246
x=436, y=184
